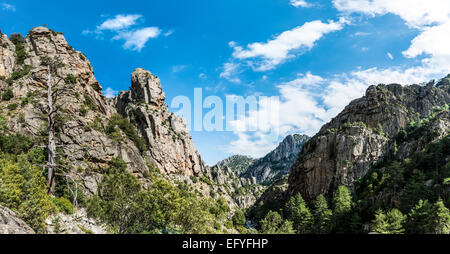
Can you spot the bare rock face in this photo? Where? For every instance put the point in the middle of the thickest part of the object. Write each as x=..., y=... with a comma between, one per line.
x=7, y=58
x=86, y=138
x=84, y=111
x=238, y=191
x=77, y=223
x=277, y=163
x=11, y=224
x=170, y=146
x=362, y=134
x=237, y=163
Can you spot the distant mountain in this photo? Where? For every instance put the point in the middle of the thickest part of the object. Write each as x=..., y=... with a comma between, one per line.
x=277, y=163
x=237, y=163
x=273, y=166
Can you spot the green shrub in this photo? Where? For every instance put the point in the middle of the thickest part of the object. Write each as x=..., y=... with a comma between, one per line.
x=96, y=87
x=8, y=95
x=63, y=205
x=46, y=60
x=129, y=130
x=70, y=79
x=239, y=218
x=15, y=144
x=127, y=208
x=89, y=103
x=21, y=54
x=19, y=74
x=24, y=190
x=13, y=106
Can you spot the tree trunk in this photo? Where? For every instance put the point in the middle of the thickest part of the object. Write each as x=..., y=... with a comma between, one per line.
x=51, y=137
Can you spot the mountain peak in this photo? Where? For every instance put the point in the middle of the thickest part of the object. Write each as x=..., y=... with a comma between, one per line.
x=146, y=87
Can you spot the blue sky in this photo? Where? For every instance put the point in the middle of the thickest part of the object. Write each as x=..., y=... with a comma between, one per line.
x=316, y=56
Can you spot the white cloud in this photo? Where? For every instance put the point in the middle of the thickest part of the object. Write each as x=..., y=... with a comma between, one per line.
x=267, y=56
x=8, y=7
x=110, y=93
x=361, y=34
x=135, y=39
x=432, y=20
x=230, y=72
x=178, y=68
x=416, y=13
x=305, y=107
x=119, y=22
x=433, y=40
x=300, y=3
x=390, y=55
x=169, y=33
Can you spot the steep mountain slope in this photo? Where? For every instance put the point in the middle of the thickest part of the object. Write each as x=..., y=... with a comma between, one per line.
x=271, y=167
x=237, y=163
x=277, y=163
x=92, y=131
x=366, y=132
x=10, y=224
x=382, y=165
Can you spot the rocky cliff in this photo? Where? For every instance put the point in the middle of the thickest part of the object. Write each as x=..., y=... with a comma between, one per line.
x=368, y=131
x=237, y=163
x=11, y=224
x=170, y=147
x=277, y=163
x=136, y=126
x=271, y=167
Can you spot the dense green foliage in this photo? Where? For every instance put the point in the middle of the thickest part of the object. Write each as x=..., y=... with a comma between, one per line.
x=127, y=207
x=390, y=223
x=322, y=215
x=273, y=223
x=24, y=190
x=21, y=54
x=8, y=95
x=129, y=130
x=296, y=209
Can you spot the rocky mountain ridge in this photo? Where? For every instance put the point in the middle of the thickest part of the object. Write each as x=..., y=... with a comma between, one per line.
x=366, y=132
x=271, y=167
x=136, y=126
x=277, y=163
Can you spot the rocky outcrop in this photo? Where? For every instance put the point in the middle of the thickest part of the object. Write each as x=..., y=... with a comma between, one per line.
x=84, y=112
x=7, y=58
x=237, y=163
x=87, y=136
x=11, y=224
x=277, y=163
x=362, y=134
x=77, y=223
x=239, y=192
x=170, y=146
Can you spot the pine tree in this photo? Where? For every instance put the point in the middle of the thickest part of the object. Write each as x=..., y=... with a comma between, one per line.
x=322, y=215
x=396, y=220
x=441, y=220
x=419, y=218
x=355, y=224
x=273, y=224
x=390, y=223
x=298, y=212
x=342, y=204
x=380, y=224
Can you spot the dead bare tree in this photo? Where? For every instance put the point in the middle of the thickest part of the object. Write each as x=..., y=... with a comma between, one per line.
x=54, y=92
x=51, y=163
